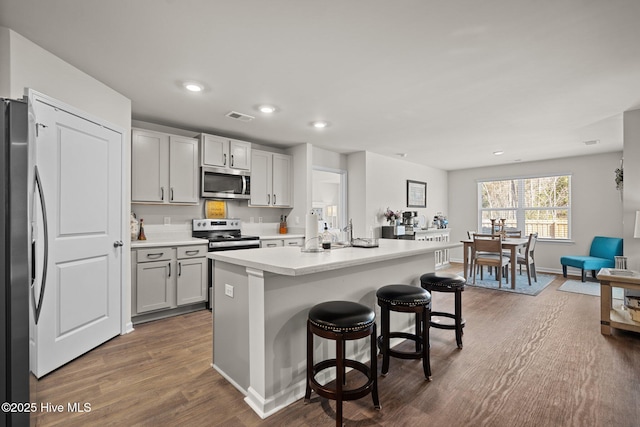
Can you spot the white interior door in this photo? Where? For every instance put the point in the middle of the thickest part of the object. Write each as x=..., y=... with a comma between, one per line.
x=79, y=163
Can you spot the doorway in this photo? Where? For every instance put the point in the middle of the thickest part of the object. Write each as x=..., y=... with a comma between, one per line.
x=329, y=197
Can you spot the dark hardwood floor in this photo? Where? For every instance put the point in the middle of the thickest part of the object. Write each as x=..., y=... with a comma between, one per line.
x=527, y=361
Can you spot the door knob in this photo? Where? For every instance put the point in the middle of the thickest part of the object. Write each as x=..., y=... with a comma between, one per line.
x=117, y=243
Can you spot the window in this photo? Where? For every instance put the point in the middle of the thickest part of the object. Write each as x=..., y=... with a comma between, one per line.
x=534, y=205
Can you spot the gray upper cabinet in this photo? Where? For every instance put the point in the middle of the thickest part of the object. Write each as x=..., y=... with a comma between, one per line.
x=270, y=179
x=223, y=152
x=164, y=168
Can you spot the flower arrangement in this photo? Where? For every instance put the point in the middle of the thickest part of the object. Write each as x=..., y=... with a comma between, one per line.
x=391, y=216
x=619, y=176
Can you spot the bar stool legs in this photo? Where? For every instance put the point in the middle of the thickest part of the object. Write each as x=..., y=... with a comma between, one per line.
x=342, y=321
x=447, y=282
x=407, y=299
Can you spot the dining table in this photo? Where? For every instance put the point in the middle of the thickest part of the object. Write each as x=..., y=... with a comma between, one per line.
x=510, y=243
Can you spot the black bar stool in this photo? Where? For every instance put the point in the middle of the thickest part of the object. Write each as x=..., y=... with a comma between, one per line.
x=447, y=282
x=405, y=299
x=341, y=321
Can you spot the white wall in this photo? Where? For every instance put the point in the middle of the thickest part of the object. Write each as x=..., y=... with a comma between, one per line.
x=33, y=67
x=596, y=205
x=377, y=182
x=631, y=186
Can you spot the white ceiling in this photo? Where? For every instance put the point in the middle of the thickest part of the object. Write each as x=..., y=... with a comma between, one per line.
x=447, y=82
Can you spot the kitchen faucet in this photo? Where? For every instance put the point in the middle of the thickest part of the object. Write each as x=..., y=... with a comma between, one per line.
x=349, y=228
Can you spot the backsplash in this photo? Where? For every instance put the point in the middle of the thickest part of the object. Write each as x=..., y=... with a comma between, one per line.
x=156, y=214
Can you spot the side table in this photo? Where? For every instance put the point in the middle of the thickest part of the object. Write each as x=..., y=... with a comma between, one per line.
x=615, y=315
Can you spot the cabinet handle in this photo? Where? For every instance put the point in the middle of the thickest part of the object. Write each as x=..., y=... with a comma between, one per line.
x=292, y=243
x=274, y=199
x=268, y=199
x=179, y=269
x=271, y=245
x=224, y=162
x=169, y=270
x=232, y=160
x=162, y=193
x=194, y=252
x=158, y=255
x=171, y=193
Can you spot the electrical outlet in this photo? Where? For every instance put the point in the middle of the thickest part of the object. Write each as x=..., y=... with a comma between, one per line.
x=228, y=290
x=260, y=219
x=167, y=220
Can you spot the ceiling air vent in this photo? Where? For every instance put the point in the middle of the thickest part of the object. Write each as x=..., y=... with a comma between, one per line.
x=239, y=116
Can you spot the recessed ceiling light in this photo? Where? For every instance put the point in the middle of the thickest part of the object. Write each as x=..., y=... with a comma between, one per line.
x=268, y=109
x=193, y=87
x=498, y=153
x=320, y=124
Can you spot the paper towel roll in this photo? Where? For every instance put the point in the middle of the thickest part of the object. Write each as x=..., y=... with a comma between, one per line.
x=311, y=231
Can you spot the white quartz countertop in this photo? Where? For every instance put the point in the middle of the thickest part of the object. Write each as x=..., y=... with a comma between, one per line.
x=281, y=236
x=291, y=261
x=154, y=242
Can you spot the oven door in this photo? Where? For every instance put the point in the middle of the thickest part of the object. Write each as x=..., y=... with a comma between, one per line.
x=224, y=184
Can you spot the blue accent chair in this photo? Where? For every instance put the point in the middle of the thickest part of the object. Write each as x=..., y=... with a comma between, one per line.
x=602, y=253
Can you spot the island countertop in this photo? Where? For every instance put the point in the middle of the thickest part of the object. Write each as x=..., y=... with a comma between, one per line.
x=291, y=261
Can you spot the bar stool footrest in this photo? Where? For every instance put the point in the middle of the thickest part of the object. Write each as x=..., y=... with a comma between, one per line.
x=444, y=325
x=347, y=394
x=403, y=354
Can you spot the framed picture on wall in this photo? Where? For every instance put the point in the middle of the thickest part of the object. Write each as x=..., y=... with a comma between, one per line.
x=416, y=194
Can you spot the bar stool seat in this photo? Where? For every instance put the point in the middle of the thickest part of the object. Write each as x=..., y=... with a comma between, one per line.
x=405, y=299
x=341, y=321
x=447, y=282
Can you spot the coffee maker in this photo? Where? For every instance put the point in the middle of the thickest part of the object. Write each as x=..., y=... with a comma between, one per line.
x=409, y=219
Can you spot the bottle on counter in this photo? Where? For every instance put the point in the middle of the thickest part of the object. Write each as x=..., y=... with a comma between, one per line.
x=141, y=235
x=326, y=237
x=283, y=224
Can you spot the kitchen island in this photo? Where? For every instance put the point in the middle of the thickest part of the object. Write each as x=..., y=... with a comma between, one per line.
x=263, y=296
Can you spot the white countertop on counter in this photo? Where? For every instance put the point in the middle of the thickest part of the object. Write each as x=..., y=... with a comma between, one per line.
x=281, y=236
x=167, y=241
x=291, y=261
x=430, y=230
x=167, y=235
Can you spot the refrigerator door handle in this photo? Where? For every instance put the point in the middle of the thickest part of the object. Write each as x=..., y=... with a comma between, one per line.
x=37, y=306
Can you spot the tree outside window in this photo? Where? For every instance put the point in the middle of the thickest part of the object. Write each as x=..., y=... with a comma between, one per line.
x=534, y=205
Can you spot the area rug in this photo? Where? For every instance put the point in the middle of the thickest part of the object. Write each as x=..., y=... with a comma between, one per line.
x=522, y=283
x=588, y=288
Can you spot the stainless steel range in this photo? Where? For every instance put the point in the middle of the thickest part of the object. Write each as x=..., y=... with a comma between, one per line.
x=224, y=234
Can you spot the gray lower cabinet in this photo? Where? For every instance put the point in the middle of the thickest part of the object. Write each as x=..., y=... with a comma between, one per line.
x=168, y=281
x=192, y=275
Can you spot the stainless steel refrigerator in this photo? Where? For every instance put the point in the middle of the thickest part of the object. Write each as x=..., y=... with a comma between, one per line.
x=14, y=258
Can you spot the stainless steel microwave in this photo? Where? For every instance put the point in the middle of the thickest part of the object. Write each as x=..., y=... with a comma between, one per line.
x=218, y=183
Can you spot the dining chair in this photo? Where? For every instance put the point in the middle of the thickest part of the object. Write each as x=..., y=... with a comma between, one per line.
x=487, y=250
x=527, y=258
x=513, y=233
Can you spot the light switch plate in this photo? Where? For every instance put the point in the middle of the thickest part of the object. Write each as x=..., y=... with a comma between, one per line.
x=228, y=290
